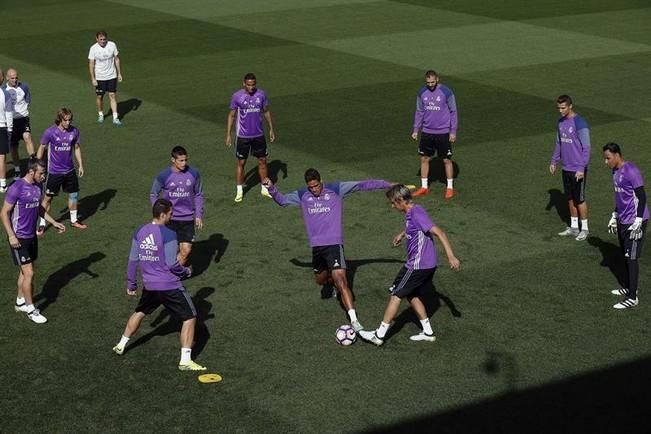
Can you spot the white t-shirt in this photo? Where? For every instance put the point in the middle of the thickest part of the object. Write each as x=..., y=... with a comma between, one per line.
x=104, y=60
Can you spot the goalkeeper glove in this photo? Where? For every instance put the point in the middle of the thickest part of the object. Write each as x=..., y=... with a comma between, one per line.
x=636, y=229
x=612, y=224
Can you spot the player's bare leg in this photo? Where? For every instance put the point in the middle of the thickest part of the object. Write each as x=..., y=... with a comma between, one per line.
x=421, y=313
x=239, y=179
x=184, y=253
x=449, y=174
x=346, y=296
x=262, y=172
x=72, y=207
x=99, y=105
x=424, y=176
x=113, y=101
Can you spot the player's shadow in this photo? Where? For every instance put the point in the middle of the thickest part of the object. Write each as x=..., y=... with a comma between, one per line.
x=206, y=252
x=89, y=205
x=351, y=270
x=274, y=168
x=611, y=257
x=433, y=301
x=558, y=200
x=126, y=107
x=437, y=171
x=62, y=277
x=166, y=324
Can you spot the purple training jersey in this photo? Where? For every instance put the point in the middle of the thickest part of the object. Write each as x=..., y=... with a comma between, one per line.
x=572, y=144
x=26, y=199
x=250, y=111
x=154, y=248
x=323, y=214
x=183, y=189
x=421, y=253
x=60, y=148
x=626, y=179
x=436, y=111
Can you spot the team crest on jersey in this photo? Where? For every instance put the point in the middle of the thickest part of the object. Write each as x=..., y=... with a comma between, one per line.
x=188, y=182
x=438, y=98
x=172, y=184
x=58, y=139
x=326, y=196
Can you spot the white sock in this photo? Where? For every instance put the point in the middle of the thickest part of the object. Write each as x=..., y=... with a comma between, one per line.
x=427, y=327
x=423, y=182
x=186, y=355
x=20, y=300
x=3, y=182
x=100, y=114
x=584, y=225
x=239, y=189
x=382, y=330
x=123, y=341
x=42, y=222
x=30, y=308
x=353, y=315
x=73, y=216
x=450, y=183
x=264, y=188
x=115, y=116
x=574, y=222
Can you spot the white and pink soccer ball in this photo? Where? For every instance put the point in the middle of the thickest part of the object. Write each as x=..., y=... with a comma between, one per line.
x=345, y=335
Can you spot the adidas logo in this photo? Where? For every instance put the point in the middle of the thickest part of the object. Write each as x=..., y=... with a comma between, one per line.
x=149, y=243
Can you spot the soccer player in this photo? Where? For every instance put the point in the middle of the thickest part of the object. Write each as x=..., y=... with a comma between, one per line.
x=6, y=128
x=436, y=119
x=322, y=206
x=154, y=248
x=20, y=211
x=251, y=105
x=181, y=185
x=629, y=220
x=105, y=72
x=416, y=275
x=62, y=141
x=573, y=149
x=21, y=98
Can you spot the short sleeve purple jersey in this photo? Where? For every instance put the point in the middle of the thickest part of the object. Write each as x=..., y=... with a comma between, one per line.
x=436, y=111
x=626, y=179
x=323, y=214
x=572, y=144
x=421, y=253
x=154, y=248
x=25, y=198
x=60, y=148
x=250, y=111
x=185, y=191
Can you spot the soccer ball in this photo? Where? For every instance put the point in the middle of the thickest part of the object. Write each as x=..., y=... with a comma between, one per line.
x=345, y=335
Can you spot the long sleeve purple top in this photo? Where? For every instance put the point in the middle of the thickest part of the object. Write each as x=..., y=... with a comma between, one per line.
x=436, y=111
x=323, y=214
x=185, y=191
x=153, y=249
x=572, y=144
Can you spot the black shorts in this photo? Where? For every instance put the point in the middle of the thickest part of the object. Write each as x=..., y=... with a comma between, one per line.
x=412, y=282
x=57, y=181
x=177, y=301
x=256, y=146
x=435, y=143
x=574, y=190
x=4, y=141
x=632, y=249
x=104, y=86
x=21, y=126
x=328, y=258
x=26, y=253
x=184, y=230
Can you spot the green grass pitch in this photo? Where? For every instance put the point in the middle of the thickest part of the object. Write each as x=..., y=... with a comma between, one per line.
x=528, y=341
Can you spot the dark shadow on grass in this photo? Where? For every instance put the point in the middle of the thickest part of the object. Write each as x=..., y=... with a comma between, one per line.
x=206, y=252
x=89, y=205
x=437, y=171
x=165, y=323
x=611, y=257
x=62, y=277
x=432, y=300
x=609, y=400
x=126, y=107
x=558, y=200
x=274, y=168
